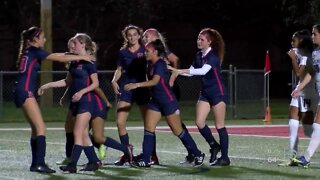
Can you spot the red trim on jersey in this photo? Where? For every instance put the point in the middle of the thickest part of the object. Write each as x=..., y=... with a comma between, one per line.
x=89, y=94
x=166, y=89
x=26, y=86
x=218, y=80
x=99, y=102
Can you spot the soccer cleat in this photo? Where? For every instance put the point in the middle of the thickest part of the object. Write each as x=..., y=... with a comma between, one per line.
x=99, y=163
x=138, y=157
x=125, y=158
x=215, y=149
x=189, y=159
x=302, y=161
x=66, y=161
x=102, y=151
x=121, y=161
x=92, y=166
x=221, y=162
x=140, y=164
x=68, y=168
x=289, y=163
x=41, y=169
x=154, y=160
x=198, y=160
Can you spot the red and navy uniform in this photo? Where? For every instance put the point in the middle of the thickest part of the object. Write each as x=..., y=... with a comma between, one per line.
x=134, y=66
x=212, y=88
x=27, y=80
x=162, y=97
x=100, y=108
x=80, y=72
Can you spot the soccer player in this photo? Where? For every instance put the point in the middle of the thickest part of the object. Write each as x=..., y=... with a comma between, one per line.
x=315, y=137
x=86, y=105
x=300, y=56
x=70, y=119
x=28, y=63
x=163, y=102
x=171, y=59
x=213, y=95
x=131, y=66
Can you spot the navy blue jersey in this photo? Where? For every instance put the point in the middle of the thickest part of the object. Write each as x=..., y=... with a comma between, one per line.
x=80, y=72
x=134, y=65
x=162, y=91
x=29, y=66
x=212, y=82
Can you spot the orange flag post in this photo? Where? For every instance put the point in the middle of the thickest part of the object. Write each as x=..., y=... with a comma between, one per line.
x=267, y=70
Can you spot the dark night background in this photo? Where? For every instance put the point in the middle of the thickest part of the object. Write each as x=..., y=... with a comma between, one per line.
x=249, y=27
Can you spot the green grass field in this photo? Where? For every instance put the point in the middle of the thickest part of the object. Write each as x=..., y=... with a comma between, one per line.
x=252, y=157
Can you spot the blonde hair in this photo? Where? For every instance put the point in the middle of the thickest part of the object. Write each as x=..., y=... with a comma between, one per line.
x=83, y=38
x=157, y=34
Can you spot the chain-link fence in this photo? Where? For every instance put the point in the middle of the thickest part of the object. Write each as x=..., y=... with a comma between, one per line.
x=245, y=90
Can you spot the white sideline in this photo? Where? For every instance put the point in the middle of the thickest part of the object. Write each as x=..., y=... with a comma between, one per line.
x=141, y=127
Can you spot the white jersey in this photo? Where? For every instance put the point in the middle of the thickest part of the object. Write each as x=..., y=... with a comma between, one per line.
x=308, y=99
x=316, y=65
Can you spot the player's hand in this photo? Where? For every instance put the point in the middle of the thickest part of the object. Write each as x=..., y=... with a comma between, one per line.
x=88, y=58
x=62, y=100
x=109, y=105
x=115, y=87
x=77, y=96
x=131, y=86
x=295, y=93
x=42, y=89
x=292, y=53
x=171, y=68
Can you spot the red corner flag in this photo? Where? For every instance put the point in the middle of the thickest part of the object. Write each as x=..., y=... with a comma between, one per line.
x=267, y=65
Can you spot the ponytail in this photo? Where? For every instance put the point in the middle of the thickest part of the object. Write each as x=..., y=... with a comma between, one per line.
x=26, y=36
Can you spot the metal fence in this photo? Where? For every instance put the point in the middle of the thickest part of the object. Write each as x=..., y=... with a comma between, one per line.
x=245, y=90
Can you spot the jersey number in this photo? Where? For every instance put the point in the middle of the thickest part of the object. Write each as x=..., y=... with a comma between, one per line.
x=23, y=63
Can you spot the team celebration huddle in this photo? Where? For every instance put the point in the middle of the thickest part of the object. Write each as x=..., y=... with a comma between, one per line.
x=146, y=74
x=149, y=70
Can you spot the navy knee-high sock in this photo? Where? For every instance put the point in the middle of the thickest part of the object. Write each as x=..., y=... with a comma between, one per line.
x=124, y=139
x=91, y=155
x=147, y=145
x=33, y=144
x=93, y=141
x=207, y=134
x=116, y=145
x=40, y=149
x=154, y=152
x=69, y=144
x=185, y=128
x=189, y=143
x=224, y=142
x=76, y=152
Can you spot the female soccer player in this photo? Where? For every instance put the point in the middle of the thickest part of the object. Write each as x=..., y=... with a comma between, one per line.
x=315, y=137
x=300, y=56
x=28, y=63
x=70, y=119
x=171, y=59
x=132, y=67
x=85, y=106
x=207, y=64
x=163, y=102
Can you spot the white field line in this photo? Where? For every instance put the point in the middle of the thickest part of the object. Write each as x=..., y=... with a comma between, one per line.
x=7, y=177
x=141, y=127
